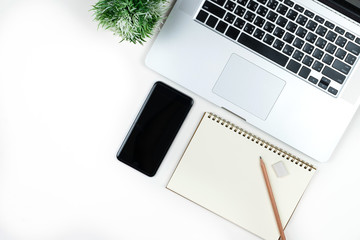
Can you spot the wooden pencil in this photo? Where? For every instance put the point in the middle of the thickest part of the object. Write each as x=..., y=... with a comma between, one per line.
x=272, y=199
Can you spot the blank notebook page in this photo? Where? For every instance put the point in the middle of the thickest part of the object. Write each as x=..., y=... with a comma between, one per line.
x=220, y=171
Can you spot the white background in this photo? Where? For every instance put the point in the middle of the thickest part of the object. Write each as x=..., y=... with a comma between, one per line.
x=68, y=95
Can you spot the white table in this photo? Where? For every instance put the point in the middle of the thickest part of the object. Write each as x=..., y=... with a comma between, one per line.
x=68, y=95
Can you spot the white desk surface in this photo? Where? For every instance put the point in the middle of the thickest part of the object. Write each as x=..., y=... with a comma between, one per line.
x=68, y=95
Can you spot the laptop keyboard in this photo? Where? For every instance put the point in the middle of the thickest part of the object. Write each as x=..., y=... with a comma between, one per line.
x=284, y=32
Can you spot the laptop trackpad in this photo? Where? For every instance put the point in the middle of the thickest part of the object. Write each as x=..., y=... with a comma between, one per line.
x=249, y=86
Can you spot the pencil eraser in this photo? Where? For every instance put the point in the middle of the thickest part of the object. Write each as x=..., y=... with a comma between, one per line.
x=280, y=169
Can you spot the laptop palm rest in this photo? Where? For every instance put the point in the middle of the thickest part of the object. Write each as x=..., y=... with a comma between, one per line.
x=248, y=86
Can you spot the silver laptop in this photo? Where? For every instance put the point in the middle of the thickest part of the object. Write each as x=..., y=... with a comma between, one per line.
x=290, y=68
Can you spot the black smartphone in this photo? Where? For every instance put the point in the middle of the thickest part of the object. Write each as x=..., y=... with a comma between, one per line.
x=154, y=128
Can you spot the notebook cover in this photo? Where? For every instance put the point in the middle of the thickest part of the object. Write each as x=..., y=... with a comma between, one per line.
x=220, y=171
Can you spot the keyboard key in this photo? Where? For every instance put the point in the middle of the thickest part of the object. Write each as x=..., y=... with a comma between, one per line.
x=259, y=33
x=309, y=14
x=321, y=30
x=281, y=21
x=221, y=27
x=304, y=72
x=298, y=55
x=313, y=80
x=357, y=40
x=311, y=25
x=311, y=37
x=230, y=6
x=342, y=67
x=272, y=4
x=269, y=27
x=301, y=32
x=329, y=25
x=239, y=23
x=299, y=8
x=288, y=50
x=339, y=30
x=202, y=16
x=350, y=36
x=308, y=48
x=259, y=21
x=298, y=43
x=318, y=54
x=263, y=49
x=340, y=53
x=293, y=66
x=350, y=59
x=271, y=16
x=278, y=44
x=334, y=75
x=289, y=3
x=330, y=48
x=232, y=32
x=269, y=39
x=291, y=27
x=308, y=60
x=279, y=32
x=262, y=1
x=212, y=21
x=242, y=2
x=249, y=16
x=219, y=2
x=214, y=9
x=301, y=20
x=321, y=43
x=332, y=90
x=331, y=36
x=229, y=18
x=252, y=5
x=262, y=11
x=319, y=19
x=341, y=41
x=324, y=83
x=353, y=48
x=282, y=9
x=328, y=59
x=240, y=11
x=288, y=37
x=317, y=66
x=292, y=14
x=249, y=28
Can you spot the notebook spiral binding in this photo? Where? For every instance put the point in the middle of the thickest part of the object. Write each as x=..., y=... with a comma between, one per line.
x=262, y=142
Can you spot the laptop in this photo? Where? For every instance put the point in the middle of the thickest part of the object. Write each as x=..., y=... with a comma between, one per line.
x=290, y=68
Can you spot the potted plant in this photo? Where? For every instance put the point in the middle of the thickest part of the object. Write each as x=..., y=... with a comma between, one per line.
x=131, y=20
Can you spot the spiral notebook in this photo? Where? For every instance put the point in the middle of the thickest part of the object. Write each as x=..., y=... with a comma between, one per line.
x=220, y=171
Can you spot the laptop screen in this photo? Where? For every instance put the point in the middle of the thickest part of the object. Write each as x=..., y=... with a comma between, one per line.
x=350, y=8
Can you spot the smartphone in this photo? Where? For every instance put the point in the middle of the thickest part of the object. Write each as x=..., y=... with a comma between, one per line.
x=154, y=128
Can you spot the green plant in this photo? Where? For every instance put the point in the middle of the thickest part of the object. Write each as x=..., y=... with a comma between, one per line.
x=132, y=20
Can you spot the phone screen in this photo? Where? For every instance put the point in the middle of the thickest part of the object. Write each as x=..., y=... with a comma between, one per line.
x=154, y=129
